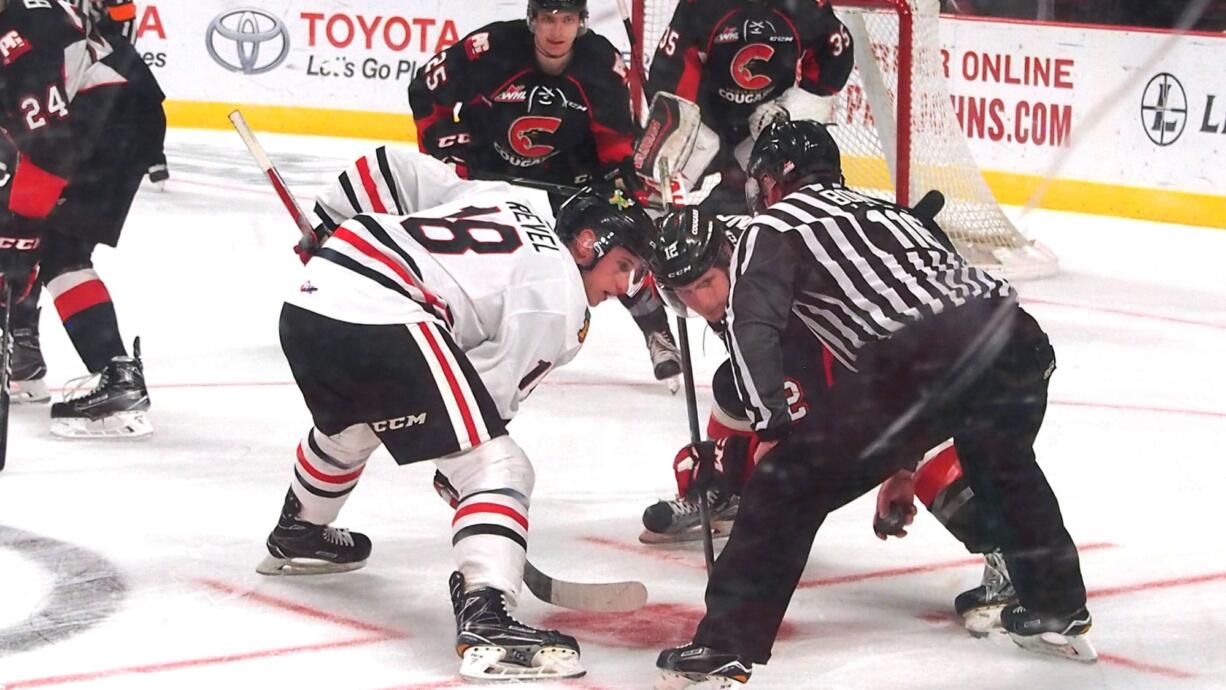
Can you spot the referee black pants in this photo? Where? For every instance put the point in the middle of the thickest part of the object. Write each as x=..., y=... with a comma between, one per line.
x=978, y=374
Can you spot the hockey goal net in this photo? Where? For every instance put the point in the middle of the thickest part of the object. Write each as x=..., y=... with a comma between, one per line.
x=897, y=130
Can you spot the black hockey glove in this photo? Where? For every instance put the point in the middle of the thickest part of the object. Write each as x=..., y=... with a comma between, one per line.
x=723, y=465
x=449, y=142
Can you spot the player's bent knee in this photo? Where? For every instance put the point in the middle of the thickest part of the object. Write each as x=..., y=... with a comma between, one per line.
x=349, y=448
x=497, y=464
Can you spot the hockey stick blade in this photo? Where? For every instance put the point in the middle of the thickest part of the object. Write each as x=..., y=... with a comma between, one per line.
x=928, y=207
x=605, y=597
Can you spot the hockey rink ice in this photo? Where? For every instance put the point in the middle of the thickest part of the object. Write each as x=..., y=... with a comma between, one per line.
x=131, y=565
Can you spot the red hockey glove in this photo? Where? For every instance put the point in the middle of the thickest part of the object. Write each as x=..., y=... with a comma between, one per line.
x=722, y=464
x=895, y=506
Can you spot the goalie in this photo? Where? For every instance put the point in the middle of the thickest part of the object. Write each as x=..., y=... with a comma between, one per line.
x=723, y=70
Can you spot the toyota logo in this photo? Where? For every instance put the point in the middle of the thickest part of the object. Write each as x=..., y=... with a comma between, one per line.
x=247, y=40
x=1164, y=109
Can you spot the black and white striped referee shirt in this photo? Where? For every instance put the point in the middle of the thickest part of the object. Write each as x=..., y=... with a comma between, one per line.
x=854, y=269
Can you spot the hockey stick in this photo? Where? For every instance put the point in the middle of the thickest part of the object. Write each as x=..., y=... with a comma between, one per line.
x=687, y=374
x=6, y=350
x=309, y=240
x=605, y=597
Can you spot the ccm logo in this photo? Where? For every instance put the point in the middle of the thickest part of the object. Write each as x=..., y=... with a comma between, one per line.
x=21, y=244
x=399, y=422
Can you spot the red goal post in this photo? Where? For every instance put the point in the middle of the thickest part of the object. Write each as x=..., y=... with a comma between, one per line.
x=896, y=126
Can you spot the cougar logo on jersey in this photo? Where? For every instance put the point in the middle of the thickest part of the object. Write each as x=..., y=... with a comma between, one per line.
x=742, y=73
x=522, y=130
x=398, y=422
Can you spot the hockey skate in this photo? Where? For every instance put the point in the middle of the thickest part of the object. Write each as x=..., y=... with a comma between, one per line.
x=296, y=547
x=665, y=358
x=495, y=646
x=696, y=667
x=980, y=607
x=679, y=520
x=1061, y=635
x=28, y=370
x=116, y=407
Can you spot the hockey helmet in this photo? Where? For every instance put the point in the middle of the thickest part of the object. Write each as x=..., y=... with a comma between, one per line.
x=616, y=220
x=580, y=6
x=687, y=243
x=790, y=150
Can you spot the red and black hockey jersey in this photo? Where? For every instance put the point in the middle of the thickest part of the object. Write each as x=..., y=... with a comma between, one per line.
x=516, y=120
x=61, y=83
x=730, y=56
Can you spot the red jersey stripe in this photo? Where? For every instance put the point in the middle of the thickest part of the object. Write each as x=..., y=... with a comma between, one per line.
x=327, y=478
x=496, y=508
x=368, y=183
x=465, y=413
x=346, y=235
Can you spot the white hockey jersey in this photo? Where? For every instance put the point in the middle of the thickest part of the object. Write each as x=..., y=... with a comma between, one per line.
x=413, y=242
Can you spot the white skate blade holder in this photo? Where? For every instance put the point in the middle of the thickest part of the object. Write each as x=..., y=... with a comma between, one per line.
x=31, y=392
x=272, y=565
x=719, y=530
x=983, y=621
x=485, y=662
x=134, y=424
x=1074, y=647
x=672, y=680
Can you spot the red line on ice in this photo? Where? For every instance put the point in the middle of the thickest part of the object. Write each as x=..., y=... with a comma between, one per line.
x=300, y=609
x=186, y=663
x=1155, y=584
x=1144, y=667
x=1126, y=312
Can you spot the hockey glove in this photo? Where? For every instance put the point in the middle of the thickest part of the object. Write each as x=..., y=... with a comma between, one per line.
x=449, y=142
x=895, y=506
x=19, y=251
x=722, y=465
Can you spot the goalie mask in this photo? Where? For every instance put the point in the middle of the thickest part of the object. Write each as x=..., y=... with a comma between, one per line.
x=687, y=244
x=788, y=151
x=616, y=220
x=580, y=6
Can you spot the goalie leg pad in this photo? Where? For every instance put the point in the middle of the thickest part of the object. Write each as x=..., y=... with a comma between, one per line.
x=489, y=532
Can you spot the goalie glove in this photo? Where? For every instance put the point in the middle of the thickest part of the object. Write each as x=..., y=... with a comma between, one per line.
x=793, y=104
x=675, y=141
x=766, y=114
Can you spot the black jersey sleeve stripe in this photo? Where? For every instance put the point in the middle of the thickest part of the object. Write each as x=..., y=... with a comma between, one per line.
x=328, y=221
x=329, y=254
x=386, y=168
x=347, y=187
x=380, y=234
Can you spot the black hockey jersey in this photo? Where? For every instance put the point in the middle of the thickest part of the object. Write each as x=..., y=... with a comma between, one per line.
x=729, y=56
x=61, y=83
x=516, y=120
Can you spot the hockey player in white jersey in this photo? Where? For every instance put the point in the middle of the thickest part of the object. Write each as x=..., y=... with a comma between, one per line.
x=423, y=331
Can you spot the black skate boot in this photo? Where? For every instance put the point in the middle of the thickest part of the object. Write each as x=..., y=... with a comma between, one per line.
x=296, y=547
x=115, y=407
x=679, y=519
x=495, y=646
x=665, y=357
x=695, y=666
x=1049, y=633
x=980, y=607
x=28, y=369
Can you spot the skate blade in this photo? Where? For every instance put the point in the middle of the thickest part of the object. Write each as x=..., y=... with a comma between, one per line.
x=486, y=663
x=673, y=680
x=673, y=383
x=983, y=621
x=1074, y=647
x=272, y=565
x=133, y=424
x=29, y=392
x=719, y=530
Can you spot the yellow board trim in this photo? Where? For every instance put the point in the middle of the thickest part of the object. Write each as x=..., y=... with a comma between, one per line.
x=1167, y=206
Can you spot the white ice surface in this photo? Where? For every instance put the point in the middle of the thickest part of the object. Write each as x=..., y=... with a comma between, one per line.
x=1133, y=445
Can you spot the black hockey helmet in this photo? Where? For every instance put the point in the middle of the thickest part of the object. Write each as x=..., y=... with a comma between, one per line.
x=790, y=150
x=687, y=243
x=579, y=6
x=616, y=219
